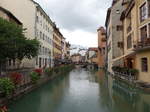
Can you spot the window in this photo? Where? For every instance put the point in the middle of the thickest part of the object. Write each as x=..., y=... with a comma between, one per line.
x=37, y=19
x=37, y=33
x=43, y=36
x=14, y=62
x=103, y=51
x=40, y=35
x=143, y=33
x=43, y=50
x=9, y=62
x=149, y=31
x=40, y=49
x=148, y=8
x=143, y=12
x=144, y=62
x=129, y=41
x=119, y=28
x=37, y=61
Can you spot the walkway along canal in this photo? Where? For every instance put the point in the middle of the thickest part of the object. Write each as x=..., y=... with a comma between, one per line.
x=83, y=91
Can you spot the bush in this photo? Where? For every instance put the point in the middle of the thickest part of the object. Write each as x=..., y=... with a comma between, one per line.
x=34, y=77
x=39, y=71
x=16, y=78
x=48, y=71
x=56, y=69
x=6, y=86
x=125, y=70
x=133, y=71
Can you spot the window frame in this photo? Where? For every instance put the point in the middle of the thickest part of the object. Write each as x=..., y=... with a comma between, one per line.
x=144, y=64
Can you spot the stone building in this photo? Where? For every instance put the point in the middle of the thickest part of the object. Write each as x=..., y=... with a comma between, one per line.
x=114, y=34
x=101, y=47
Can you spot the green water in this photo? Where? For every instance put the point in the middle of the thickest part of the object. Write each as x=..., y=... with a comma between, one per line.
x=83, y=91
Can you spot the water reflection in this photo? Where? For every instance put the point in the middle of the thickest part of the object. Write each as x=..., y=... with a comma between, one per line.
x=117, y=96
x=84, y=91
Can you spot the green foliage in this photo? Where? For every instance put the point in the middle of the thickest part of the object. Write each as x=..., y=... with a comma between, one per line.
x=34, y=77
x=133, y=71
x=48, y=71
x=14, y=42
x=6, y=86
x=56, y=69
x=125, y=70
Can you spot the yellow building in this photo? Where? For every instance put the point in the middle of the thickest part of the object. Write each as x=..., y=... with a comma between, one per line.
x=57, y=44
x=136, y=37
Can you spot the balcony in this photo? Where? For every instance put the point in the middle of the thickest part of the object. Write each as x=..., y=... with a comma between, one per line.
x=142, y=45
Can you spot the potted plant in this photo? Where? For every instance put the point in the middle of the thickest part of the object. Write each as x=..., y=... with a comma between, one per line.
x=34, y=76
x=6, y=86
x=3, y=109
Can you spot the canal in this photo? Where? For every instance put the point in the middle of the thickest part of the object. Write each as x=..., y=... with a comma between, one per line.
x=83, y=91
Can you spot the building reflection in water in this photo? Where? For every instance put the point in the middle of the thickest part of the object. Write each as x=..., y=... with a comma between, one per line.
x=117, y=96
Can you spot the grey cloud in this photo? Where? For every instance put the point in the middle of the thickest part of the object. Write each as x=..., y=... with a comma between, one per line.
x=77, y=14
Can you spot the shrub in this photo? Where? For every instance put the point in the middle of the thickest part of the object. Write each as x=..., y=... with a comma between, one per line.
x=16, y=78
x=39, y=71
x=125, y=70
x=56, y=69
x=133, y=72
x=6, y=86
x=34, y=77
x=48, y=71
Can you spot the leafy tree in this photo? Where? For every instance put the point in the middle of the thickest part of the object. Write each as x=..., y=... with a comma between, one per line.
x=14, y=44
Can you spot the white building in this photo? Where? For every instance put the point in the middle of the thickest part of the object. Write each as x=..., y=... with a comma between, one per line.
x=38, y=25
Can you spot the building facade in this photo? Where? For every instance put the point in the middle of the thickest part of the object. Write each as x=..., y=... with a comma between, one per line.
x=38, y=25
x=136, y=23
x=129, y=45
x=76, y=58
x=114, y=34
x=92, y=55
x=57, y=45
x=101, y=47
x=44, y=33
x=7, y=15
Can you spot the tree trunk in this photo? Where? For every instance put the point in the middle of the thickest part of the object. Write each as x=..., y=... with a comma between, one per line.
x=0, y=68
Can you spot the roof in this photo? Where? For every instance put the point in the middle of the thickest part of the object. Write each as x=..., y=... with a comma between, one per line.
x=93, y=49
x=10, y=15
x=41, y=9
x=108, y=16
x=102, y=29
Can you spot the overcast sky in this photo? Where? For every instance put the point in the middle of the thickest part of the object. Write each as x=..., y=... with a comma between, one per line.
x=78, y=20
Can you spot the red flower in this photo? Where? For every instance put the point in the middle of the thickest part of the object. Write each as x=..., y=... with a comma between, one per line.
x=3, y=109
x=39, y=71
x=16, y=78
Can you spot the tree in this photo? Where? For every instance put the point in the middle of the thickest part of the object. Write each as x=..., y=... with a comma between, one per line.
x=14, y=44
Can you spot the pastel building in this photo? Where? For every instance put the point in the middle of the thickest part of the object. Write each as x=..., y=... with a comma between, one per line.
x=38, y=26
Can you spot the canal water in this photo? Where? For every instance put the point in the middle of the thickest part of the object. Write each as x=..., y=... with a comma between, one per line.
x=83, y=91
